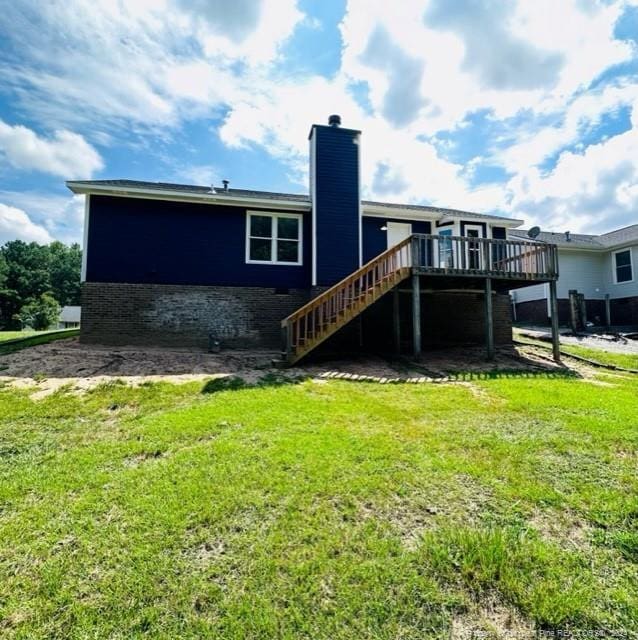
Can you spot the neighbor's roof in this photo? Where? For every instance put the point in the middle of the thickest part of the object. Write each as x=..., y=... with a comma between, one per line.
x=246, y=195
x=70, y=314
x=619, y=237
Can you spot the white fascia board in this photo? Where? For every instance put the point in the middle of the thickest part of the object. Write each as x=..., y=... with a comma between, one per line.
x=184, y=196
x=399, y=213
x=508, y=223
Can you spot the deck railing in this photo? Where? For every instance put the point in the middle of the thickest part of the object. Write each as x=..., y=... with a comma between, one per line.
x=317, y=320
x=484, y=257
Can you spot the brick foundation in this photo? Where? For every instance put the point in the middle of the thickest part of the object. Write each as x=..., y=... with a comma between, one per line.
x=178, y=315
x=447, y=319
x=624, y=312
x=183, y=316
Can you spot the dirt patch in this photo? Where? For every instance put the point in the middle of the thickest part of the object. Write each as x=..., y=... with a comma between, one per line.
x=616, y=342
x=491, y=620
x=50, y=367
x=563, y=528
x=412, y=515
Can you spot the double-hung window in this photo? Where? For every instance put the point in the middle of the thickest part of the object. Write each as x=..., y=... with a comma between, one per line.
x=623, y=268
x=273, y=238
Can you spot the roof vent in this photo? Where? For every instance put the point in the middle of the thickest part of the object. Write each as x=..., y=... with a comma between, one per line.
x=567, y=236
x=225, y=183
x=334, y=120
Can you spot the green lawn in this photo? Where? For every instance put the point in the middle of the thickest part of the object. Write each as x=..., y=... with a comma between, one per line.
x=320, y=510
x=626, y=360
x=14, y=335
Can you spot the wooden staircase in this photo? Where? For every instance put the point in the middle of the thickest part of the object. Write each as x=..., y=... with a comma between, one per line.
x=309, y=326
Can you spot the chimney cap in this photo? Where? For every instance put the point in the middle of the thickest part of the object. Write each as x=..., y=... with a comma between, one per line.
x=334, y=120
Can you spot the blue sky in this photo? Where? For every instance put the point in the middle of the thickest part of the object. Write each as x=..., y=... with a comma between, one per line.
x=517, y=108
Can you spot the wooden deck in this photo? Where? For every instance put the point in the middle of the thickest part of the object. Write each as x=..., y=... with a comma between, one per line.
x=460, y=256
x=511, y=263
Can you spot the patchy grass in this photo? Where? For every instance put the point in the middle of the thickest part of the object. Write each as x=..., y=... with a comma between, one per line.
x=626, y=360
x=596, y=354
x=320, y=509
x=11, y=341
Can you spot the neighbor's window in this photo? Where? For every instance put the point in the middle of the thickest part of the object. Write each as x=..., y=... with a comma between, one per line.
x=273, y=238
x=623, y=266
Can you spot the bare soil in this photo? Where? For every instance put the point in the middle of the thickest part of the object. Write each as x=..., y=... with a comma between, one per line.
x=618, y=343
x=68, y=362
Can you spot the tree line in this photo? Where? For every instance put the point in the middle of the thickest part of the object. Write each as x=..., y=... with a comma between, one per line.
x=35, y=281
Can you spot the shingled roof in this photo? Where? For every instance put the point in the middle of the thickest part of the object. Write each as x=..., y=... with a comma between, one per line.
x=271, y=195
x=600, y=242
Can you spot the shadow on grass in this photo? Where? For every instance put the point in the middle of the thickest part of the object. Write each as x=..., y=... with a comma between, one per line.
x=234, y=383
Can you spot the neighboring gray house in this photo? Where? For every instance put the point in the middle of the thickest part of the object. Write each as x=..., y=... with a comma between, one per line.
x=69, y=317
x=600, y=267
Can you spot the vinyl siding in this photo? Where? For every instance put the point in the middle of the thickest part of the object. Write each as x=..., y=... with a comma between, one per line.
x=140, y=241
x=624, y=289
x=526, y=294
x=335, y=178
x=583, y=271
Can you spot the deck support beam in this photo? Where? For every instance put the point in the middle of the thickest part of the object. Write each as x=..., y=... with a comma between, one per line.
x=553, y=307
x=489, y=320
x=416, y=315
x=396, y=320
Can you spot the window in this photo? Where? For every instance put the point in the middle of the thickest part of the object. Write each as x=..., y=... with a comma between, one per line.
x=446, y=253
x=273, y=238
x=623, y=271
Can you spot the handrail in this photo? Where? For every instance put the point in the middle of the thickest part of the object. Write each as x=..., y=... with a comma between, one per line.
x=317, y=320
x=491, y=257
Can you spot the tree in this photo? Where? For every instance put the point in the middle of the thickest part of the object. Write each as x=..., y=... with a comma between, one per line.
x=41, y=313
x=28, y=270
x=65, y=264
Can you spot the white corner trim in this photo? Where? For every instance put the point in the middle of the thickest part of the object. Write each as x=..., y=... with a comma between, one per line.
x=614, y=270
x=358, y=143
x=273, y=238
x=85, y=237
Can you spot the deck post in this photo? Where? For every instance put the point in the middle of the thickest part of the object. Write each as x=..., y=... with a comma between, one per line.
x=553, y=305
x=396, y=320
x=416, y=315
x=607, y=311
x=489, y=319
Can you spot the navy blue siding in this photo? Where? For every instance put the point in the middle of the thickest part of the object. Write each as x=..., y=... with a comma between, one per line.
x=336, y=182
x=152, y=241
x=375, y=241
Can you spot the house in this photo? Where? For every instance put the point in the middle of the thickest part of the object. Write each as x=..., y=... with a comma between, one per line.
x=598, y=270
x=169, y=264
x=69, y=317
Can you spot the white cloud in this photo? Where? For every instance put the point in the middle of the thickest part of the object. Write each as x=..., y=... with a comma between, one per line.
x=15, y=224
x=65, y=154
x=590, y=192
x=121, y=70
x=581, y=115
x=60, y=216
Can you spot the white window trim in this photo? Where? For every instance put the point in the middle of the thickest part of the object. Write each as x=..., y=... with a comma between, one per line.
x=273, y=239
x=614, y=269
